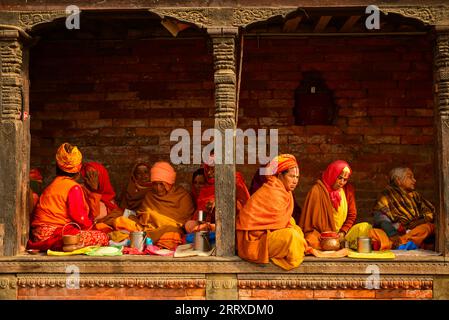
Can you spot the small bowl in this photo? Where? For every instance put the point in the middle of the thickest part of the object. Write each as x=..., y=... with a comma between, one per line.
x=33, y=251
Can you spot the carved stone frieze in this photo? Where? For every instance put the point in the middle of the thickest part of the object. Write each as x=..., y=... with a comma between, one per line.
x=221, y=284
x=216, y=265
x=431, y=15
x=109, y=281
x=27, y=20
x=332, y=282
x=7, y=283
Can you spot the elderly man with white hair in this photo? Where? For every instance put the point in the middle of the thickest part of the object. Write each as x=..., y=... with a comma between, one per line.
x=402, y=217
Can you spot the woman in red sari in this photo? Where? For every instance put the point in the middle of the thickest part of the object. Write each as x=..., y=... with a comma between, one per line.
x=62, y=205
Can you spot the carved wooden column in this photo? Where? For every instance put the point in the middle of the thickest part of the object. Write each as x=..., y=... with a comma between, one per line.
x=14, y=141
x=441, y=79
x=225, y=104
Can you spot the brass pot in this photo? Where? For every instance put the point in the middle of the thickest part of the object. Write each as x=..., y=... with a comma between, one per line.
x=329, y=242
x=71, y=239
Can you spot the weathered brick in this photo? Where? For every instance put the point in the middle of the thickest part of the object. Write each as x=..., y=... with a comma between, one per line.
x=382, y=139
x=417, y=139
x=283, y=294
x=132, y=123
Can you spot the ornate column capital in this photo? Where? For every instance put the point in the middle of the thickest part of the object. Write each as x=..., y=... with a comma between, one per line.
x=442, y=71
x=10, y=75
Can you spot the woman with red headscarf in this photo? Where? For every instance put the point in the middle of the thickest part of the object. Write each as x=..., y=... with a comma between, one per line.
x=265, y=226
x=330, y=206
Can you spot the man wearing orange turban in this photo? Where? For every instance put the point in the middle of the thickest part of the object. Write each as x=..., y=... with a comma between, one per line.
x=62, y=205
x=266, y=229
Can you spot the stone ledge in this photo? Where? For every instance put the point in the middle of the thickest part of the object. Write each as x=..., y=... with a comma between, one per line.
x=215, y=265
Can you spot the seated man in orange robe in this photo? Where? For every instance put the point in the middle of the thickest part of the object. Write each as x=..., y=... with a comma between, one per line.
x=61, y=204
x=206, y=198
x=166, y=208
x=330, y=206
x=402, y=214
x=265, y=226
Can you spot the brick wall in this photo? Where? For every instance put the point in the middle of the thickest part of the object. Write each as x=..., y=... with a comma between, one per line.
x=383, y=91
x=119, y=101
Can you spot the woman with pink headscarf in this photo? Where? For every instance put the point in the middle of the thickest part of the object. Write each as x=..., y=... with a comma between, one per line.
x=330, y=206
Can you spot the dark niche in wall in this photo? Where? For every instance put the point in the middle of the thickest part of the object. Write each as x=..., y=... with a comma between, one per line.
x=314, y=102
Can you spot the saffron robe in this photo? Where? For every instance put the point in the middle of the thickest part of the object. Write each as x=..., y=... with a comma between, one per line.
x=318, y=213
x=266, y=229
x=60, y=204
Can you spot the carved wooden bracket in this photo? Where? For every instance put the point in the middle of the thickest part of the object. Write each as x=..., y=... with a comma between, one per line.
x=28, y=20
x=431, y=15
x=235, y=17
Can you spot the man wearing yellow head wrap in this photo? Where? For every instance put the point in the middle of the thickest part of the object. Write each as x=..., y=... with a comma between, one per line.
x=62, y=206
x=266, y=229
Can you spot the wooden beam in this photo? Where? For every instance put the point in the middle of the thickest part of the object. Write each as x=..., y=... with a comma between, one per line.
x=349, y=23
x=292, y=24
x=322, y=23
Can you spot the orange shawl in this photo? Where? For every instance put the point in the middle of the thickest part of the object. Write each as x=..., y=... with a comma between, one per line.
x=318, y=212
x=270, y=208
x=169, y=211
x=133, y=195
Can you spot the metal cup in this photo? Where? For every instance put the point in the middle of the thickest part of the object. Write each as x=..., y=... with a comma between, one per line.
x=201, y=241
x=138, y=240
x=364, y=245
x=201, y=215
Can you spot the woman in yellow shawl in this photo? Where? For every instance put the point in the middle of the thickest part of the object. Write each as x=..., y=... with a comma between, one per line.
x=266, y=229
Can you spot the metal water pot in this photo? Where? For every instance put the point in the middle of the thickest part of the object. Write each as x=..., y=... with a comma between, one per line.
x=201, y=241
